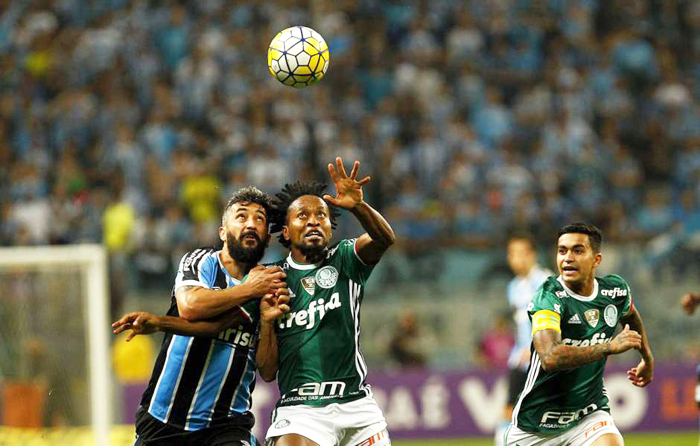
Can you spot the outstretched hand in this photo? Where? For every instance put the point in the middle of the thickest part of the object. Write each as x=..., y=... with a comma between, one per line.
x=689, y=302
x=140, y=322
x=641, y=375
x=348, y=188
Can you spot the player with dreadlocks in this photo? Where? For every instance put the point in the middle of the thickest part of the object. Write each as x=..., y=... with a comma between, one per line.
x=314, y=349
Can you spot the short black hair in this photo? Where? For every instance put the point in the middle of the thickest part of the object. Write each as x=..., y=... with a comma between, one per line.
x=250, y=194
x=289, y=193
x=594, y=235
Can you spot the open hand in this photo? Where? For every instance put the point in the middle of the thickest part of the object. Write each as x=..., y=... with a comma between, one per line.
x=625, y=340
x=348, y=188
x=641, y=375
x=139, y=322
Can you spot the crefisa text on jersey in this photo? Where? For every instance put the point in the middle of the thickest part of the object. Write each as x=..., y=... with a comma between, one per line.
x=307, y=318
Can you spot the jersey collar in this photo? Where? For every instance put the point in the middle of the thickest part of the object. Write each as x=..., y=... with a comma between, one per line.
x=593, y=295
x=223, y=268
x=301, y=266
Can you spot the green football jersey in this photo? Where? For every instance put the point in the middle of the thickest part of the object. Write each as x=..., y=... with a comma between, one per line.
x=319, y=339
x=555, y=401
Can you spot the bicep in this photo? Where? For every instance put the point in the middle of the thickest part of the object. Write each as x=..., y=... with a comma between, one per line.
x=183, y=293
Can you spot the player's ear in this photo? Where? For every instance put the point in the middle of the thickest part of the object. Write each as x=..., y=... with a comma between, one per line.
x=285, y=232
x=222, y=234
x=598, y=260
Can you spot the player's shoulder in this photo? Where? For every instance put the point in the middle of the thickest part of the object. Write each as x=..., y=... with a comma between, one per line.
x=552, y=286
x=339, y=247
x=196, y=257
x=612, y=281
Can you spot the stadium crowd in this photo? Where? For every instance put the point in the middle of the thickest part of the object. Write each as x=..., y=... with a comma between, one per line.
x=130, y=123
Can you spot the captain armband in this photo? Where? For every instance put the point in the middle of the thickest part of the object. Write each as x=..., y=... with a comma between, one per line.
x=546, y=320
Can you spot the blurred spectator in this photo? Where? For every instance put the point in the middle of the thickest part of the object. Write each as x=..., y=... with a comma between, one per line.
x=405, y=347
x=496, y=343
x=480, y=116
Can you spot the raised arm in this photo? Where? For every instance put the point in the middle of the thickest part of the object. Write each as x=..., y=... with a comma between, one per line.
x=379, y=236
x=643, y=374
x=144, y=323
x=554, y=355
x=196, y=303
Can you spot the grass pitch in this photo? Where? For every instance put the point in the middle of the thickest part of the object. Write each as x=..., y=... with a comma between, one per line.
x=645, y=439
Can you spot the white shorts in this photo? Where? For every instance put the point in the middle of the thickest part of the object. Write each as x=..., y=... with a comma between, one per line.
x=583, y=434
x=346, y=424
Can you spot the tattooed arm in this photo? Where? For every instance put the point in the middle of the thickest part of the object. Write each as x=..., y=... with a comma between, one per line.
x=557, y=356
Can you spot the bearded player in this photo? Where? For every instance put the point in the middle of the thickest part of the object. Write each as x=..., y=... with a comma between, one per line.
x=314, y=349
x=200, y=390
x=574, y=317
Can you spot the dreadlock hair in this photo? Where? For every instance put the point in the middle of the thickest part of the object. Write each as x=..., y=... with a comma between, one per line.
x=250, y=194
x=289, y=193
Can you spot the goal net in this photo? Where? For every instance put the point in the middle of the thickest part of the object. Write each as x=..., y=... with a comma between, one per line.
x=55, y=382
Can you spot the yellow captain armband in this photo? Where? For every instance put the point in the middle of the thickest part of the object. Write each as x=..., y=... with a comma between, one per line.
x=546, y=319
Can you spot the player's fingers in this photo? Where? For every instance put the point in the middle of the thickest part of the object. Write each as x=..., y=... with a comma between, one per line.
x=121, y=328
x=364, y=181
x=277, y=276
x=355, y=168
x=131, y=336
x=626, y=328
x=330, y=200
x=284, y=308
x=341, y=167
x=331, y=172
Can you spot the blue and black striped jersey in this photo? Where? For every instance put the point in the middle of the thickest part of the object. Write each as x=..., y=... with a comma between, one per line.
x=199, y=382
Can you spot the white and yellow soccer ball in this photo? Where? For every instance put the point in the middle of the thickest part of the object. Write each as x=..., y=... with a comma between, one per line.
x=298, y=57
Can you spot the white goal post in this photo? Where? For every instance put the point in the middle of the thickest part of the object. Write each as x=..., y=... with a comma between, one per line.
x=91, y=260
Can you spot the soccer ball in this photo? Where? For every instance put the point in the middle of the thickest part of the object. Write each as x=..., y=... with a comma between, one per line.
x=298, y=57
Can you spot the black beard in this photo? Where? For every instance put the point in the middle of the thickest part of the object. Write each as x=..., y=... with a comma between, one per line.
x=313, y=254
x=241, y=254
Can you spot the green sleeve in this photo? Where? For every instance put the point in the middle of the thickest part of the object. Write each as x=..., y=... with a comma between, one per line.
x=351, y=263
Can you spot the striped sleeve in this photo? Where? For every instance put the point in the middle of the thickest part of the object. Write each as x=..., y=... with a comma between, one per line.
x=197, y=268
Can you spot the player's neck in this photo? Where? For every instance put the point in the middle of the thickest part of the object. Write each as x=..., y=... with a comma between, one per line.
x=584, y=288
x=235, y=269
x=306, y=256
